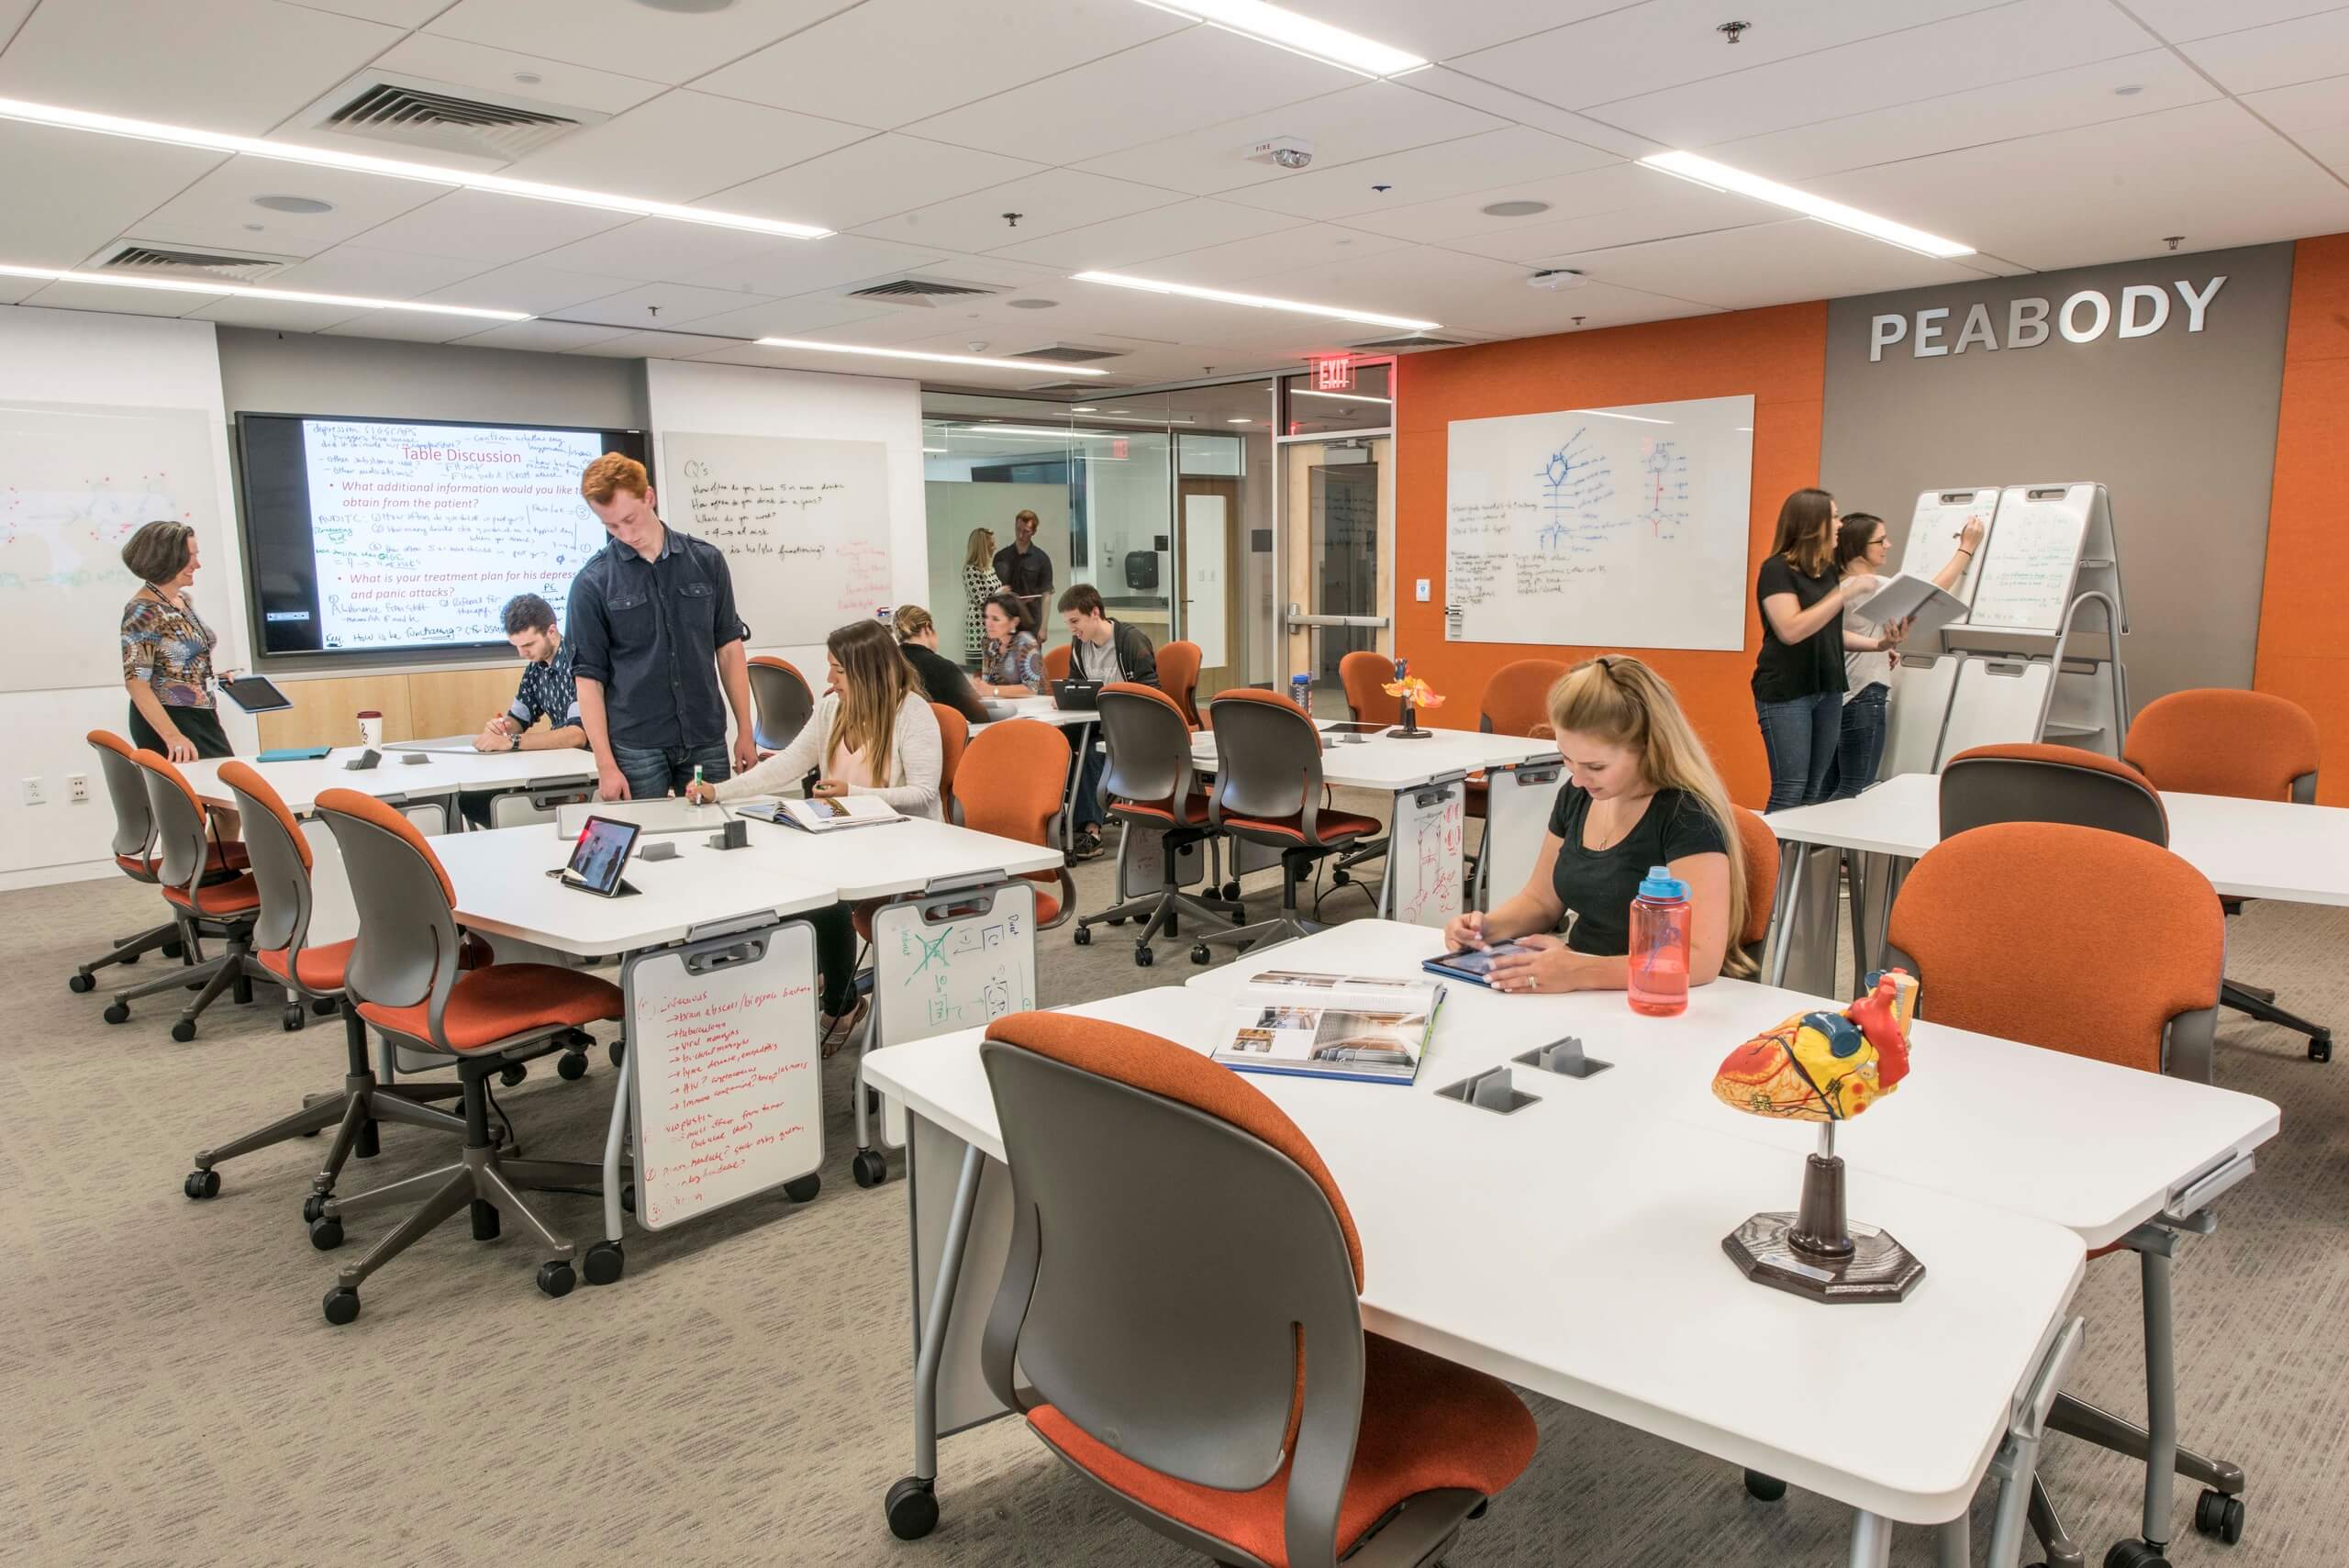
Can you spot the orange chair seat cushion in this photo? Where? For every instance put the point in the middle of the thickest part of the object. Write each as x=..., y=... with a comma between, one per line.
x=239, y=896
x=232, y=856
x=320, y=968
x=1331, y=825
x=496, y=1003
x=1427, y=1425
x=1194, y=813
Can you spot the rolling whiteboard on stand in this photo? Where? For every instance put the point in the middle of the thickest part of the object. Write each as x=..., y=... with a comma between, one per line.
x=2032, y=557
x=1938, y=526
x=1625, y=527
x=805, y=526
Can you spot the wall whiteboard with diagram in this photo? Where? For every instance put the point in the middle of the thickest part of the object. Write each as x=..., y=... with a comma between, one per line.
x=1627, y=527
x=804, y=523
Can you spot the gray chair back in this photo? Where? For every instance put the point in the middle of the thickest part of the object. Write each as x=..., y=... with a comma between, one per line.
x=2034, y=783
x=182, y=845
x=1268, y=756
x=781, y=701
x=1192, y=1263
x=134, y=822
x=406, y=949
x=281, y=863
x=1150, y=746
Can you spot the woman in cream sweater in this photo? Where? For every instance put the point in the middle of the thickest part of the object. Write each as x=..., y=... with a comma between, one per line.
x=872, y=733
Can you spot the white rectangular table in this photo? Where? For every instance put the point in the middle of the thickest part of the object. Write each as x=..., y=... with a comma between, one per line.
x=301, y=782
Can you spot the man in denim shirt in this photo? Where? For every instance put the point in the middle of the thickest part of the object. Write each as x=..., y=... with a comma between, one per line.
x=652, y=634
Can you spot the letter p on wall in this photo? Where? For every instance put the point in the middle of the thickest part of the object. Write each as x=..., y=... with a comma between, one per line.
x=1883, y=333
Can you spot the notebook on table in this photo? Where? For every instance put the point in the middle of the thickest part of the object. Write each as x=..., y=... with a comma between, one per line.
x=826, y=814
x=1293, y=1023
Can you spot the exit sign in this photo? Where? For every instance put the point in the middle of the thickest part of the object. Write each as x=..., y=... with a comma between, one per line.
x=1334, y=375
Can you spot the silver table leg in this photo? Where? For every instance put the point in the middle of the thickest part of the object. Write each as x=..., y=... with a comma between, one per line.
x=1790, y=892
x=1952, y=1544
x=1870, y=1539
x=614, y=1136
x=912, y=1504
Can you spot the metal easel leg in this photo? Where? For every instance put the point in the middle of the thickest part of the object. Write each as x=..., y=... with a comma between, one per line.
x=912, y=1504
x=613, y=1136
x=1870, y=1539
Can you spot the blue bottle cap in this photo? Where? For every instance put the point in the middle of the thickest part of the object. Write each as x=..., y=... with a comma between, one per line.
x=1661, y=883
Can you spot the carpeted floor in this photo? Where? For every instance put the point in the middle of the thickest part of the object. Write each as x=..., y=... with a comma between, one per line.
x=170, y=1395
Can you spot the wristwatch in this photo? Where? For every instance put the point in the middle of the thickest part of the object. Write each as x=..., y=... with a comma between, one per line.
x=514, y=742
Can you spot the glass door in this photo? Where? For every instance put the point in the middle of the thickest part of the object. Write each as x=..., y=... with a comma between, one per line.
x=1223, y=530
x=1338, y=518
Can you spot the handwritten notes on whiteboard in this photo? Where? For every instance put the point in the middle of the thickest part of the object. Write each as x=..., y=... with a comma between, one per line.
x=2033, y=554
x=804, y=523
x=952, y=967
x=1938, y=528
x=1423, y=855
x=1623, y=527
x=422, y=532
x=728, y=1090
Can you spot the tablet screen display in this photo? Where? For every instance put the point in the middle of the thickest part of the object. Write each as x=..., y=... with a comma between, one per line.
x=602, y=850
x=1476, y=963
x=255, y=694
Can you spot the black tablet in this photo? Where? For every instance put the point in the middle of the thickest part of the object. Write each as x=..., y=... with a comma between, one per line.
x=255, y=694
x=601, y=853
x=1473, y=964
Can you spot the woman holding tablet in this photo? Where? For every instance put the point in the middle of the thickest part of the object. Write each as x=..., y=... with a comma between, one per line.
x=167, y=649
x=1798, y=677
x=1641, y=793
x=872, y=733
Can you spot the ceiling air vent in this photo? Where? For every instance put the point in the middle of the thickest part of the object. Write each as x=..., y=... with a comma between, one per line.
x=168, y=261
x=1416, y=341
x=922, y=293
x=1069, y=353
x=439, y=117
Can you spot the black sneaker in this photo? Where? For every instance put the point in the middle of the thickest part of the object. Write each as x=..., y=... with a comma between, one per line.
x=1088, y=845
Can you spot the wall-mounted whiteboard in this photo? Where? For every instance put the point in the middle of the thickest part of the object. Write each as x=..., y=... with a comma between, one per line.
x=1626, y=527
x=1938, y=526
x=76, y=481
x=804, y=523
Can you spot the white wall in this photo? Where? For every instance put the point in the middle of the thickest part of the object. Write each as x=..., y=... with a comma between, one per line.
x=743, y=400
x=84, y=357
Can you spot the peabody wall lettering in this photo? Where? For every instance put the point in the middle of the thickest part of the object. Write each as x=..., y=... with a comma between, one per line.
x=2143, y=310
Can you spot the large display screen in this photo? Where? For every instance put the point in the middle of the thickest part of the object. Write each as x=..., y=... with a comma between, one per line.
x=365, y=535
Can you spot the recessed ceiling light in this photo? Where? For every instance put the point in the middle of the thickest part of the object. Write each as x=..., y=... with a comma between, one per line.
x=687, y=8
x=1085, y=411
x=811, y=346
x=1032, y=304
x=1339, y=397
x=528, y=78
x=1253, y=301
x=1243, y=419
x=1610, y=413
x=1298, y=35
x=1514, y=210
x=305, y=204
x=241, y=291
x=1721, y=177
x=935, y=451
x=392, y=168
x=2128, y=91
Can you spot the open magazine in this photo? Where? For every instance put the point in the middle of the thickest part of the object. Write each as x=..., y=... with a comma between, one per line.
x=826, y=814
x=1331, y=1026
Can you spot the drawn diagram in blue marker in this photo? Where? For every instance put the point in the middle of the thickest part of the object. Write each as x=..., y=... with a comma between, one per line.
x=1574, y=483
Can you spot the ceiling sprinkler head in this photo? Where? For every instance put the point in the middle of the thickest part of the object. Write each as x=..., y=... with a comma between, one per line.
x=1011, y=219
x=2173, y=240
x=1732, y=31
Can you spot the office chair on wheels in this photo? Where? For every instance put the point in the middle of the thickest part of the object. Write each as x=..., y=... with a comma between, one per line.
x=1151, y=791
x=781, y=700
x=133, y=846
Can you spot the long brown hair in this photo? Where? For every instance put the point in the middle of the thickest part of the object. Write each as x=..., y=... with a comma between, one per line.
x=1807, y=531
x=1622, y=702
x=875, y=680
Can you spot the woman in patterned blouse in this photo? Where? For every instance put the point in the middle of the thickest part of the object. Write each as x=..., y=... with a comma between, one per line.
x=979, y=584
x=167, y=649
x=1015, y=661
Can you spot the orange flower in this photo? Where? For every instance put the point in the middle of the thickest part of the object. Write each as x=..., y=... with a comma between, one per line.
x=1414, y=691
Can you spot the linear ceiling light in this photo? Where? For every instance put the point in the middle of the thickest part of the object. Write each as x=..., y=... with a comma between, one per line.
x=241, y=291
x=1610, y=413
x=1338, y=397
x=1024, y=431
x=813, y=347
x=393, y=168
x=1721, y=177
x=1254, y=300
x=1298, y=35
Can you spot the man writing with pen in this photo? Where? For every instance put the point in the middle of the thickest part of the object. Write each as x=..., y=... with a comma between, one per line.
x=547, y=692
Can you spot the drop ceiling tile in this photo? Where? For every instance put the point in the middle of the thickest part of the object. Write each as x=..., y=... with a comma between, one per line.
x=871, y=180
x=659, y=249
x=1507, y=103
x=283, y=316
x=662, y=44
x=1542, y=244
x=1768, y=264
x=394, y=13
x=1451, y=29
x=1951, y=56
x=2279, y=55
x=490, y=229
x=789, y=317
x=119, y=301
x=1046, y=203
x=12, y=16
x=653, y=346
x=219, y=208
x=187, y=65
x=529, y=286
x=684, y=145
x=1417, y=281
x=886, y=63
x=405, y=327
x=2314, y=113
x=659, y=307
x=64, y=194
x=382, y=274
x=1126, y=241
x=13, y=290
x=896, y=324
x=2059, y=100
x=1162, y=88
x=481, y=69
x=2181, y=21
x=803, y=266
x=1425, y=173
x=1611, y=188
x=1230, y=264
x=540, y=337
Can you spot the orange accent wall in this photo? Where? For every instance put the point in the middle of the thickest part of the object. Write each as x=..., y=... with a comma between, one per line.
x=1779, y=355
x=2303, y=653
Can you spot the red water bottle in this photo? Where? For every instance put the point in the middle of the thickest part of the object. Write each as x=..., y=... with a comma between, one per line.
x=1659, y=955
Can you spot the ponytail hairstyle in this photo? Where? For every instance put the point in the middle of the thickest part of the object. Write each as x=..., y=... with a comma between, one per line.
x=1807, y=531
x=875, y=680
x=1622, y=702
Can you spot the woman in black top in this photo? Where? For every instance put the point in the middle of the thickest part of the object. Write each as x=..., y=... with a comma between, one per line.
x=940, y=680
x=1642, y=792
x=1798, y=677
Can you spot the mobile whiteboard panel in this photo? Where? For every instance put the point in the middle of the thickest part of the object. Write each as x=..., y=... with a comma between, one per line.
x=1423, y=855
x=1996, y=703
x=1922, y=686
x=2034, y=556
x=1937, y=525
x=1626, y=527
x=804, y=525
x=949, y=961
x=724, y=1055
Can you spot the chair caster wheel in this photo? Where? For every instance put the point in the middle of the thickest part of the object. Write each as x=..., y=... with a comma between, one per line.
x=1116, y=919
x=2134, y=1554
x=912, y=1508
x=1478, y=1511
x=1764, y=1488
x=2321, y=1046
x=556, y=1279
x=131, y=958
x=201, y=1185
x=2220, y=1515
x=1340, y=878
x=117, y=1012
x=1231, y=889
x=605, y=1264
x=174, y=950
x=869, y=1168
x=325, y=1233
x=1081, y=937
x=342, y=1306
x=183, y=1030
x=628, y=1197
x=485, y=1216
x=1144, y=958
x=513, y=1075
x=293, y=1018
x=83, y=984
x=314, y=1208
x=323, y=1007
x=571, y=1066
x=1200, y=953
x=805, y=1189
x=616, y=1053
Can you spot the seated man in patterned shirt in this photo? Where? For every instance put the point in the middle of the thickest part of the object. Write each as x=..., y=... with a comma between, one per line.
x=547, y=692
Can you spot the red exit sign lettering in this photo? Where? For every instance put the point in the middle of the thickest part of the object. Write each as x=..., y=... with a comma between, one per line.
x=1333, y=375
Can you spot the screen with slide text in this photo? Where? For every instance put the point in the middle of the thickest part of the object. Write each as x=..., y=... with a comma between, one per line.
x=374, y=535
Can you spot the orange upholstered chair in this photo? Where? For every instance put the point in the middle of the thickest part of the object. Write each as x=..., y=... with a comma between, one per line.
x=1516, y=698
x=781, y=699
x=1178, y=677
x=1056, y=661
x=134, y=846
x=1365, y=674
x=1761, y=847
x=2118, y=959
x=2249, y=745
x=1012, y=787
x=1188, y=1214
x=405, y=976
x=953, y=737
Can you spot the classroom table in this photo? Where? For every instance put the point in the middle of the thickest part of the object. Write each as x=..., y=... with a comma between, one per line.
x=442, y=774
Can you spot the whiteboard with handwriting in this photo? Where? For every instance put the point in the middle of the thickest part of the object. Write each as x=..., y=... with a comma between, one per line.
x=1938, y=528
x=952, y=962
x=722, y=1039
x=804, y=523
x=1625, y=527
x=2033, y=554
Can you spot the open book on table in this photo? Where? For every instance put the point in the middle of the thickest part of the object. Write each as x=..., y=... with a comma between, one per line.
x=1331, y=1026
x=826, y=814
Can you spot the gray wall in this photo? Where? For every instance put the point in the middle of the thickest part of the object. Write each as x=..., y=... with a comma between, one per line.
x=2180, y=426
x=263, y=372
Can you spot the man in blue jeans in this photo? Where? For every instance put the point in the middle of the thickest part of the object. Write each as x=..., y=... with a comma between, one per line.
x=652, y=635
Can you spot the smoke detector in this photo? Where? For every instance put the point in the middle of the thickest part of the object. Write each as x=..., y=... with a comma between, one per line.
x=1557, y=278
x=1282, y=151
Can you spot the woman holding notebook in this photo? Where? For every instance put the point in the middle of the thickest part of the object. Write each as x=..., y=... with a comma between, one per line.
x=872, y=734
x=1870, y=651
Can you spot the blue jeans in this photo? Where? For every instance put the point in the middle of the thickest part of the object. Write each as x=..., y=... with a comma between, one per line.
x=1800, y=737
x=1088, y=813
x=655, y=771
x=1859, y=751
